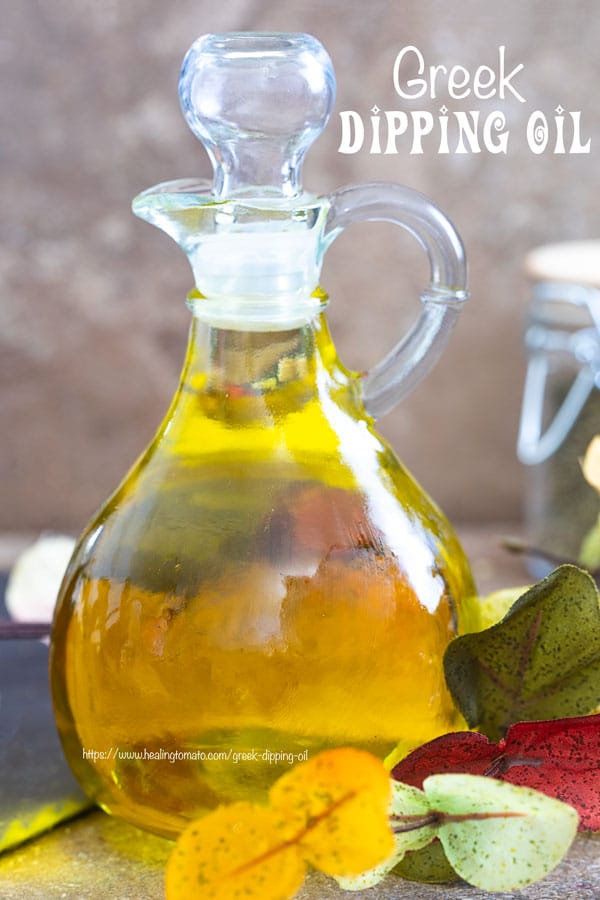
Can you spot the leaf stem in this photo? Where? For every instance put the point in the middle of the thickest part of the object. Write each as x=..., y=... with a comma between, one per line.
x=498, y=766
x=413, y=822
x=468, y=817
x=10, y=631
x=516, y=546
x=504, y=762
x=437, y=818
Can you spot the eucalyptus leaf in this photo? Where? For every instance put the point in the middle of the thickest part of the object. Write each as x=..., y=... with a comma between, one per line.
x=428, y=865
x=497, y=836
x=542, y=661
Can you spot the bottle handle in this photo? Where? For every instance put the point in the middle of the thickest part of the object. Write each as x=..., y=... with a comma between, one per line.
x=395, y=376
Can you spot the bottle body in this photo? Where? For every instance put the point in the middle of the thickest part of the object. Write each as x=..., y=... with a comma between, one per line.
x=268, y=581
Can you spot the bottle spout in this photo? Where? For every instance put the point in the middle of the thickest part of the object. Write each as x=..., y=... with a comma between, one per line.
x=256, y=263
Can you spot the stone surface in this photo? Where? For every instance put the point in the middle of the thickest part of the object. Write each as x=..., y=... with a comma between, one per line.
x=92, y=320
x=98, y=856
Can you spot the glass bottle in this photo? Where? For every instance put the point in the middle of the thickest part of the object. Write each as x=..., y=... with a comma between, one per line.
x=268, y=580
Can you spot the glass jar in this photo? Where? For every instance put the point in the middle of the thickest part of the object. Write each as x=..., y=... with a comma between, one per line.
x=561, y=403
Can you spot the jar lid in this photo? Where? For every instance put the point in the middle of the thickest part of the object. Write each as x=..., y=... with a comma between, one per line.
x=572, y=262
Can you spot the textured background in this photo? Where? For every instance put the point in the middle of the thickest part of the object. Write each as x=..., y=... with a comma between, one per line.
x=92, y=320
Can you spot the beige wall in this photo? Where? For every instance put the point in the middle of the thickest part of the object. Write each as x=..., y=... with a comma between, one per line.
x=92, y=319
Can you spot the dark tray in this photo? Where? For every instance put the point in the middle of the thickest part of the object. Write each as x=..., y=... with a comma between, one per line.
x=37, y=789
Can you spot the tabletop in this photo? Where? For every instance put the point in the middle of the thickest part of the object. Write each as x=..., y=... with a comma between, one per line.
x=96, y=856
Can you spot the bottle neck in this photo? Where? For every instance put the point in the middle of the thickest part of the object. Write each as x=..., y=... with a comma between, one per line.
x=258, y=377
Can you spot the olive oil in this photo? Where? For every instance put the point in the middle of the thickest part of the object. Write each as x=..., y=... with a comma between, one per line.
x=267, y=582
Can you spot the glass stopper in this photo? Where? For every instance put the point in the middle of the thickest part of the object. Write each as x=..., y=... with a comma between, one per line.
x=257, y=101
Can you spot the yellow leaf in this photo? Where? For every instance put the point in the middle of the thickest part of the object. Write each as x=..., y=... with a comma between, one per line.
x=235, y=852
x=591, y=463
x=336, y=807
x=494, y=606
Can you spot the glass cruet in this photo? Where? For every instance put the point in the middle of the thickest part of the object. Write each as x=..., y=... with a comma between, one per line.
x=268, y=580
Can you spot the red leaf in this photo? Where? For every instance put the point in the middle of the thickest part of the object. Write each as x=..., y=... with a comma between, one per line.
x=561, y=758
x=568, y=762
x=460, y=751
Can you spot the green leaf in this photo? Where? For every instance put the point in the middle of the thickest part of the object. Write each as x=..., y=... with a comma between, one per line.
x=498, y=836
x=542, y=661
x=589, y=552
x=408, y=809
x=495, y=835
x=429, y=864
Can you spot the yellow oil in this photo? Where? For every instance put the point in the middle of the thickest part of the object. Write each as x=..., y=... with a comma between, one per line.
x=268, y=581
